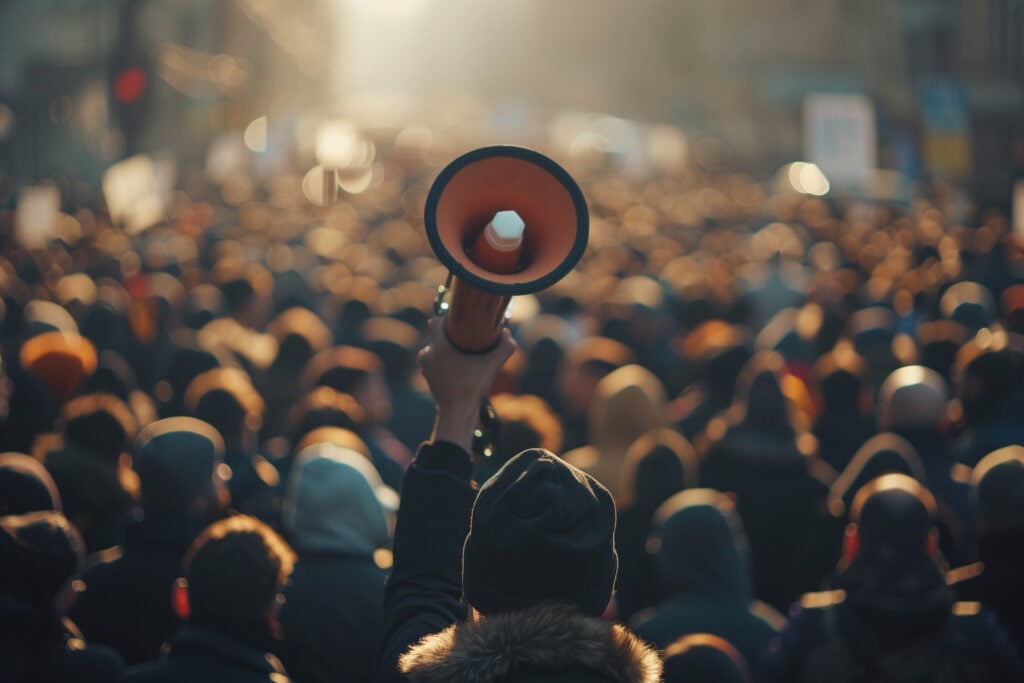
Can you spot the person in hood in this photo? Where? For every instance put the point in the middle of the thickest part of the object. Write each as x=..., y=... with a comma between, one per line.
x=843, y=426
x=658, y=465
x=757, y=452
x=627, y=403
x=230, y=601
x=996, y=579
x=991, y=392
x=533, y=552
x=127, y=602
x=26, y=486
x=700, y=548
x=337, y=516
x=40, y=553
x=703, y=657
x=891, y=616
x=912, y=404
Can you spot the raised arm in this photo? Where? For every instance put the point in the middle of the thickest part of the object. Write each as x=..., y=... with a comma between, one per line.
x=424, y=592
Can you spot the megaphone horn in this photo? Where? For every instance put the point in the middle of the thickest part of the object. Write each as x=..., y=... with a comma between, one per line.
x=505, y=221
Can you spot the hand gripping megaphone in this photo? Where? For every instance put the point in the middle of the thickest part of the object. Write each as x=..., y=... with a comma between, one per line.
x=505, y=221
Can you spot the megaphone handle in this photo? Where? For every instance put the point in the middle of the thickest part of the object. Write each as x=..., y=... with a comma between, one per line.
x=474, y=319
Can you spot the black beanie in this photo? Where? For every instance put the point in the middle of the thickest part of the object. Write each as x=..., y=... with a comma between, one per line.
x=541, y=530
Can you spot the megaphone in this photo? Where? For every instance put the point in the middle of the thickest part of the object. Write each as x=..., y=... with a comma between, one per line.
x=506, y=188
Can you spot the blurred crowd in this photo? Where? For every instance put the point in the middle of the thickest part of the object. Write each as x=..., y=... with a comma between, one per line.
x=809, y=413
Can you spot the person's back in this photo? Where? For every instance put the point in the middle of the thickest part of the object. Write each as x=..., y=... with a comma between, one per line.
x=335, y=516
x=702, y=551
x=538, y=562
x=127, y=601
x=997, y=579
x=892, y=617
x=233, y=573
x=39, y=554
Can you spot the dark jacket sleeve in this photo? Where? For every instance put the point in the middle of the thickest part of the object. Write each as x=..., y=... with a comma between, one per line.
x=781, y=662
x=424, y=593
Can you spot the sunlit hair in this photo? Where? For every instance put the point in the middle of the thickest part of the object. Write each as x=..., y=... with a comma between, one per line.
x=234, y=570
x=225, y=398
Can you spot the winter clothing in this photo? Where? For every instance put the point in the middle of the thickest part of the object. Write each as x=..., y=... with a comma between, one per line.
x=658, y=466
x=202, y=655
x=423, y=595
x=539, y=508
x=627, y=403
x=545, y=642
x=127, y=602
x=891, y=618
x=712, y=588
x=781, y=496
x=39, y=553
x=334, y=517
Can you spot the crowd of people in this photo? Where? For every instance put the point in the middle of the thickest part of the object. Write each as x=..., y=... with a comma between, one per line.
x=755, y=435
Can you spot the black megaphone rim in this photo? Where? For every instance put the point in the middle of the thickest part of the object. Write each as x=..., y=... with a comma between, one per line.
x=538, y=159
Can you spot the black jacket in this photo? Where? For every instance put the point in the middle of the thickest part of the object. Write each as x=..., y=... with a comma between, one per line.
x=332, y=618
x=127, y=601
x=885, y=626
x=201, y=655
x=46, y=649
x=997, y=581
x=423, y=601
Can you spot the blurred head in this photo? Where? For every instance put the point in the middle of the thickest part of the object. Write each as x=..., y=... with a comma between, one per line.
x=881, y=454
x=626, y=404
x=324, y=407
x=61, y=361
x=759, y=392
x=541, y=530
x=893, y=522
x=39, y=553
x=658, y=464
x=841, y=377
x=704, y=658
x=997, y=485
x=912, y=397
x=226, y=399
x=300, y=334
x=586, y=364
x=100, y=423
x=25, y=486
x=526, y=422
x=180, y=463
x=704, y=519
x=992, y=372
x=353, y=371
x=234, y=571
x=336, y=502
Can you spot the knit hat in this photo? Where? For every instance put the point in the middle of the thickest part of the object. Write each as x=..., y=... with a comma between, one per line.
x=176, y=459
x=541, y=530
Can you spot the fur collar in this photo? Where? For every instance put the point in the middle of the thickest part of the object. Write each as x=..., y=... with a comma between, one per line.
x=550, y=637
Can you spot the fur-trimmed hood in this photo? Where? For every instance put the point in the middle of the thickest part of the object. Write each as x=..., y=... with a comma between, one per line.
x=544, y=638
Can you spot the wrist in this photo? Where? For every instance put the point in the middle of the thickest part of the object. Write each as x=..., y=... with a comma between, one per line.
x=456, y=426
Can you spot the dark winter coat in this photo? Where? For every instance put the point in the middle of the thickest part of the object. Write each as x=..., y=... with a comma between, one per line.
x=781, y=497
x=891, y=626
x=997, y=581
x=547, y=642
x=49, y=650
x=423, y=600
x=201, y=655
x=127, y=602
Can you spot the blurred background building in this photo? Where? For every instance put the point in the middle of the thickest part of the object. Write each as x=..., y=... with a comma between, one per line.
x=922, y=88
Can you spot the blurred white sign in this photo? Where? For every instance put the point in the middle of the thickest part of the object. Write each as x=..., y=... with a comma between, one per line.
x=131, y=189
x=840, y=137
x=37, y=216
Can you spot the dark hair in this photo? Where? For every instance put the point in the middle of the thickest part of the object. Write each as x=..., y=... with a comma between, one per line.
x=100, y=423
x=234, y=571
x=226, y=399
